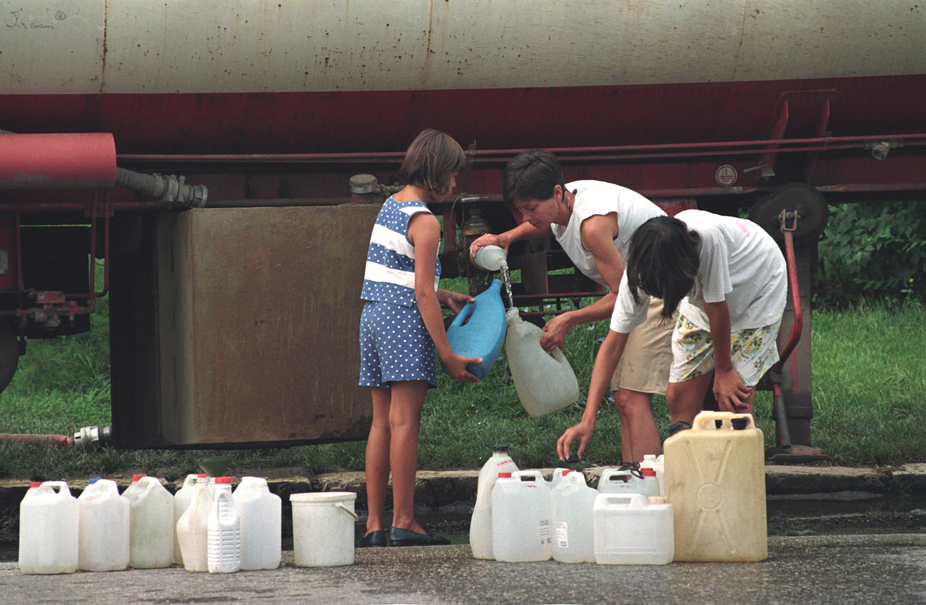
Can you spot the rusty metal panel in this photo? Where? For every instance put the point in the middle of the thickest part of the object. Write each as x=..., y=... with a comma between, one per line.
x=258, y=318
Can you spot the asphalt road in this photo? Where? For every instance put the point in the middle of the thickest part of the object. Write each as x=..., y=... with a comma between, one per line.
x=863, y=569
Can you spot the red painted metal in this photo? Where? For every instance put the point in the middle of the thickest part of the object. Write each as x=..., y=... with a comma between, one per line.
x=41, y=161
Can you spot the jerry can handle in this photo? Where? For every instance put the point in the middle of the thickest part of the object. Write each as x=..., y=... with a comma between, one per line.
x=464, y=315
x=709, y=416
x=528, y=476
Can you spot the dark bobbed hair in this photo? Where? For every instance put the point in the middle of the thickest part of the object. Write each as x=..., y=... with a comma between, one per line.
x=531, y=175
x=663, y=261
x=432, y=158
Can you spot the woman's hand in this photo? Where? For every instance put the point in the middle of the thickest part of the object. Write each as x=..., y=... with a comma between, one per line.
x=581, y=432
x=489, y=239
x=554, y=332
x=455, y=301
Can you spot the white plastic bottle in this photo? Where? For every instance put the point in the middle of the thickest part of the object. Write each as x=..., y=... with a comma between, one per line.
x=193, y=529
x=261, y=515
x=657, y=463
x=480, y=526
x=151, y=539
x=545, y=382
x=521, y=518
x=631, y=529
x=557, y=477
x=627, y=481
x=224, y=525
x=103, y=528
x=48, y=530
x=491, y=258
x=572, y=504
x=182, y=500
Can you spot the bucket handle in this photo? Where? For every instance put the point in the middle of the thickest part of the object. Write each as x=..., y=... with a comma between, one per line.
x=347, y=510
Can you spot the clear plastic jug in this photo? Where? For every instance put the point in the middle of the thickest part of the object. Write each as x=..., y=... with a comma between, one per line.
x=193, y=528
x=103, y=528
x=627, y=481
x=521, y=515
x=480, y=526
x=658, y=464
x=715, y=480
x=181, y=502
x=261, y=524
x=48, y=518
x=151, y=537
x=224, y=527
x=479, y=329
x=633, y=530
x=490, y=258
x=545, y=382
x=572, y=502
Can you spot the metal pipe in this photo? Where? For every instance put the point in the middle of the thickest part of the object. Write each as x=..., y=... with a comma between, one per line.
x=57, y=161
x=62, y=440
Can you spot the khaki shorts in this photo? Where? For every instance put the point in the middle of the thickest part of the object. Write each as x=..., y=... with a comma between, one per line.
x=644, y=367
x=753, y=352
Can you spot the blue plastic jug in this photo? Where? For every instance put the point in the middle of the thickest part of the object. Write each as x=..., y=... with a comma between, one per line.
x=479, y=329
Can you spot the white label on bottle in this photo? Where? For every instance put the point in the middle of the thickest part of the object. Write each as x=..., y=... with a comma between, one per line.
x=562, y=534
x=545, y=532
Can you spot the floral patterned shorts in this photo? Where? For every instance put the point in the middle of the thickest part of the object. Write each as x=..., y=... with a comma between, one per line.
x=754, y=352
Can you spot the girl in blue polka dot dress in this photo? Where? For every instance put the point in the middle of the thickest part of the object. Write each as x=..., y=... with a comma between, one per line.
x=401, y=328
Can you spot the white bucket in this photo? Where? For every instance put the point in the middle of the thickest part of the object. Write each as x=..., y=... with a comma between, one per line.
x=323, y=528
x=103, y=528
x=48, y=530
x=261, y=524
x=629, y=530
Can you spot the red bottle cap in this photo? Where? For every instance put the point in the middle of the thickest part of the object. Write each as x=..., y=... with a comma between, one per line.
x=138, y=476
x=566, y=471
x=34, y=483
x=504, y=475
x=223, y=480
x=648, y=472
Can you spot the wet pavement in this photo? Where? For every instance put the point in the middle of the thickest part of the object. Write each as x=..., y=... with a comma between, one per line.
x=883, y=570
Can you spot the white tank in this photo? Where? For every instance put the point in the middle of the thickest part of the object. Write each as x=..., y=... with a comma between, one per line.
x=261, y=524
x=480, y=525
x=521, y=517
x=48, y=518
x=103, y=528
x=193, y=530
x=152, y=524
x=572, y=504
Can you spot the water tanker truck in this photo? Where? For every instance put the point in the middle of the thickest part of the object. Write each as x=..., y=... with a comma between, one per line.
x=220, y=162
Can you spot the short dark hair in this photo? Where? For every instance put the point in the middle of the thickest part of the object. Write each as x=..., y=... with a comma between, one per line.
x=531, y=175
x=663, y=261
x=432, y=158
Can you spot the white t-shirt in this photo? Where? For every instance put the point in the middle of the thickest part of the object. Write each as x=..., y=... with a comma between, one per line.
x=594, y=198
x=738, y=263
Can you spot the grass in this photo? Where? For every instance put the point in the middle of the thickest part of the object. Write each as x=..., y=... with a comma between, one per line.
x=869, y=382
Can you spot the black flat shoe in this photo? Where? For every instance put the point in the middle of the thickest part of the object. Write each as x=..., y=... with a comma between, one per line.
x=374, y=538
x=405, y=537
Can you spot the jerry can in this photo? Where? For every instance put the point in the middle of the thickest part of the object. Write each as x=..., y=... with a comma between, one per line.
x=479, y=329
x=545, y=382
x=715, y=481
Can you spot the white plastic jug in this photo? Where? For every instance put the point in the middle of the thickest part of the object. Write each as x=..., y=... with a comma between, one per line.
x=48, y=517
x=323, y=528
x=103, y=528
x=151, y=537
x=657, y=463
x=181, y=502
x=633, y=530
x=544, y=381
x=193, y=528
x=261, y=524
x=557, y=476
x=572, y=502
x=521, y=515
x=224, y=528
x=715, y=480
x=480, y=526
x=627, y=481
x=491, y=258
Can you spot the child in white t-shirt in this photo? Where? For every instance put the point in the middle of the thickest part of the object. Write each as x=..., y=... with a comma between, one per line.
x=728, y=280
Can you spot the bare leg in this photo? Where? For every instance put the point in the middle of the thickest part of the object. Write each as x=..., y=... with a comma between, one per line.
x=404, y=421
x=639, y=435
x=377, y=459
x=686, y=398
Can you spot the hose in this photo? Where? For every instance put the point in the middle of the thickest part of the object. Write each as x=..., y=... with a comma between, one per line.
x=169, y=190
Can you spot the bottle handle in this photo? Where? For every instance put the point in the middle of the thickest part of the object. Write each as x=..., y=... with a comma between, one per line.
x=464, y=315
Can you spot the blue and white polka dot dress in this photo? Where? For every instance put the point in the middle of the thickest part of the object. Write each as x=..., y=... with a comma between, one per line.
x=394, y=343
